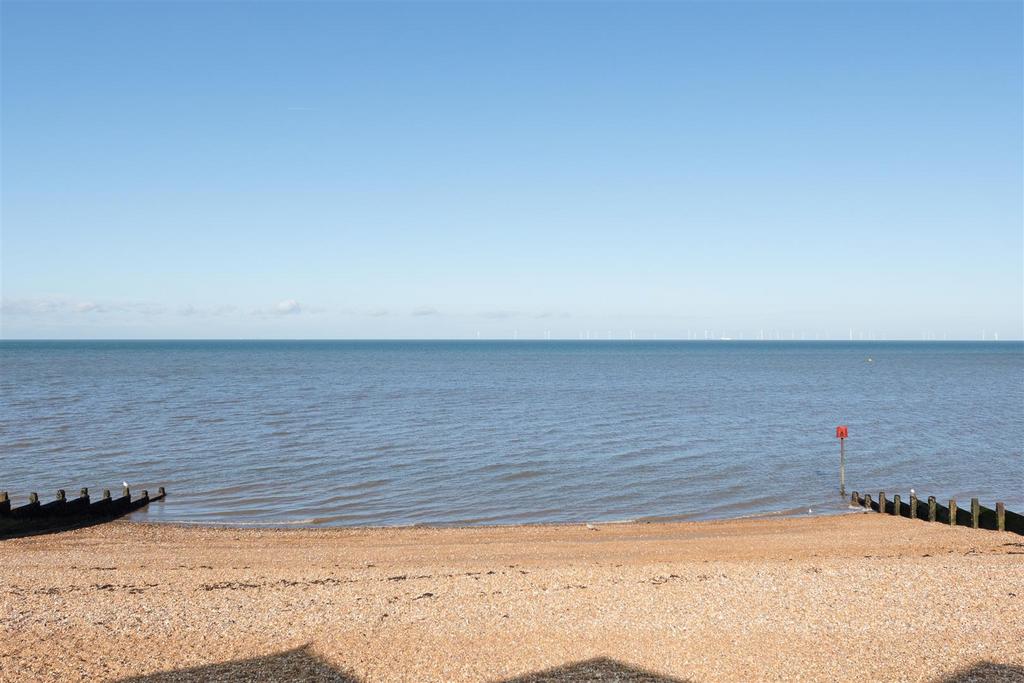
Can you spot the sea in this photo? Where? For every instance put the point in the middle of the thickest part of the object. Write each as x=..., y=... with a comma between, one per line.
x=381, y=433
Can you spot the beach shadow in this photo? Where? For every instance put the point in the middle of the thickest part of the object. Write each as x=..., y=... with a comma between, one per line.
x=598, y=669
x=301, y=664
x=985, y=672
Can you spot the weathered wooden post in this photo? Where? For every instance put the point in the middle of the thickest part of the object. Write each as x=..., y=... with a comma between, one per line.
x=975, y=513
x=1000, y=517
x=33, y=498
x=5, y=503
x=881, y=502
x=841, y=433
x=854, y=499
x=952, y=511
x=160, y=492
x=933, y=511
x=106, y=494
x=84, y=493
x=867, y=500
x=913, y=506
x=125, y=492
x=60, y=504
x=896, y=502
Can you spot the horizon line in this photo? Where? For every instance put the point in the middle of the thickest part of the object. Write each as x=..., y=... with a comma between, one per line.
x=508, y=339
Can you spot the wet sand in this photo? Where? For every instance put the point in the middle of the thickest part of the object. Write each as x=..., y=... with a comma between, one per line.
x=855, y=597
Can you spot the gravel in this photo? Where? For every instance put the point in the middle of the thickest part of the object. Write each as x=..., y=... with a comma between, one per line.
x=861, y=596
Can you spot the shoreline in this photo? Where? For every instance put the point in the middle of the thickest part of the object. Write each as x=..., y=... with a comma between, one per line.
x=313, y=524
x=812, y=597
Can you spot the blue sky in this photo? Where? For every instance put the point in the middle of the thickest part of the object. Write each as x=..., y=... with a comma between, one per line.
x=446, y=170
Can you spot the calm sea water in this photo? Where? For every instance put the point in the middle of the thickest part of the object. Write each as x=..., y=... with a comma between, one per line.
x=382, y=433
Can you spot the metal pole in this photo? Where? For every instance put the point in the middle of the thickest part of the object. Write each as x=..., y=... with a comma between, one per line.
x=842, y=467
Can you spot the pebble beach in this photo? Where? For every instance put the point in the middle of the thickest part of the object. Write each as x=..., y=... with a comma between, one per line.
x=859, y=596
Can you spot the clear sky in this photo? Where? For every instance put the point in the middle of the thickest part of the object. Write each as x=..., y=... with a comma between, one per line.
x=338, y=170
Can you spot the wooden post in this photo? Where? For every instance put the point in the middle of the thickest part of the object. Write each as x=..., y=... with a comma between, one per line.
x=5, y=502
x=867, y=501
x=145, y=494
x=975, y=513
x=106, y=494
x=842, y=467
x=896, y=503
x=881, y=502
x=160, y=491
x=84, y=493
x=61, y=496
x=1000, y=517
x=854, y=499
x=33, y=497
x=952, y=511
x=933, y=512
x=913, y=506
x=125, y=492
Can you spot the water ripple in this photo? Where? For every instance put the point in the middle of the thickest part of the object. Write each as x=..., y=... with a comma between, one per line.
x=492, y=433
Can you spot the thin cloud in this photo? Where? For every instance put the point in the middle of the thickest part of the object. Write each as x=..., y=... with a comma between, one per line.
x=425, y=311
x=37, y=306
x=285, y=307
x=288, y=307
x=140, y=307
x=206, y=311
x=48, y=306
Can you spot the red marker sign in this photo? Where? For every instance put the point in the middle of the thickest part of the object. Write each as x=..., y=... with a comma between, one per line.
x=842, y=432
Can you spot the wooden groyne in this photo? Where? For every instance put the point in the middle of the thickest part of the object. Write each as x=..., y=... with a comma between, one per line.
x=931, y=510
x=62, y=513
